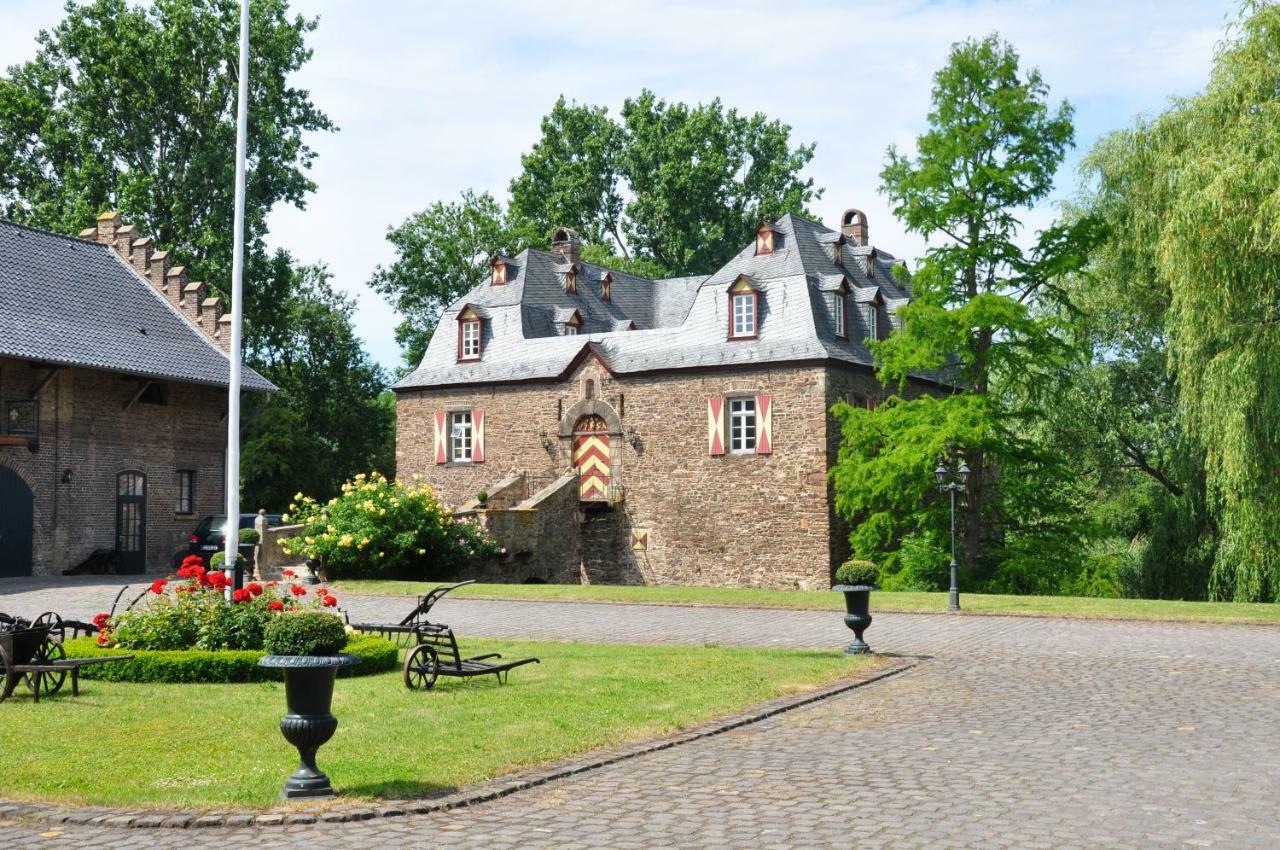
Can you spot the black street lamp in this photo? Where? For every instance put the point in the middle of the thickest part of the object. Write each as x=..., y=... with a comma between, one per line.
x=952, y=481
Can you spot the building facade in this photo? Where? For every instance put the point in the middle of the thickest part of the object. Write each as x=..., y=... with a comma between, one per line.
x=657, y=432
x=113, y=392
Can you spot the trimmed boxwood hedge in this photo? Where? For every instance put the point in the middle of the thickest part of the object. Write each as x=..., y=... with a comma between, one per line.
x=231, y=665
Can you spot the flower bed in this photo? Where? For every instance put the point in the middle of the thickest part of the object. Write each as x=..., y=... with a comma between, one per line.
x=225, y=665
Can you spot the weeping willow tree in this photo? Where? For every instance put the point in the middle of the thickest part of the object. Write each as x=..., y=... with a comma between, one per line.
x=1193, y=200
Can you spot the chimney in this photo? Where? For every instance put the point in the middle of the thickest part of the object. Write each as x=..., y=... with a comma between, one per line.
x=223, y=334
x=140, y=255
x=565, y=243
x=853, y=224
x=108, y=222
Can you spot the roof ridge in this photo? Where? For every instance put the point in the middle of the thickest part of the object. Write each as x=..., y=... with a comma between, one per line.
x=43, y=232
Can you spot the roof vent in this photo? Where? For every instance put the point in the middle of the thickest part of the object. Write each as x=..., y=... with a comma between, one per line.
x=565, y=243
x=854, y=225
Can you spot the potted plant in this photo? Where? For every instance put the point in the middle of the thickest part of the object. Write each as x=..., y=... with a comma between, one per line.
x=306, y=644
x=856, y=579
x=483, y=498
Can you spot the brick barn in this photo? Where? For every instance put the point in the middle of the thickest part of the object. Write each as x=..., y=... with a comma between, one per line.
x=113, y=393
x=655, y=431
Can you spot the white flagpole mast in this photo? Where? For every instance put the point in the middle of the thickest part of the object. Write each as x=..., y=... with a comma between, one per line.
x=232, y=536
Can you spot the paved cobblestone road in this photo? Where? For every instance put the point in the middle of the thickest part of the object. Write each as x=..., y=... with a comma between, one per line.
x=1015, y=732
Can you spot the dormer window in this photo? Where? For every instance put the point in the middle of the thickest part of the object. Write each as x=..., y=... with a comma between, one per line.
x=764, y=238
x=499, y=267
x=744, y=310
x=468, y=335
x=606, y=283
x=839, y=260
x=570, y=325
x=869, y=319
x=838, y=314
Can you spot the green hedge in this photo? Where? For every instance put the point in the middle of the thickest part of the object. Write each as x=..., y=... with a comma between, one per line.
x=231, y=665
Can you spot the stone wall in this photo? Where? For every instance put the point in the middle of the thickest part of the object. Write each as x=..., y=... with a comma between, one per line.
x=732, y=520
x=87, y=436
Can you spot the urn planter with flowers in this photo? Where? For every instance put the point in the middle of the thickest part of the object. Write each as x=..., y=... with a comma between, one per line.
x=305, y=645
x=856, y=579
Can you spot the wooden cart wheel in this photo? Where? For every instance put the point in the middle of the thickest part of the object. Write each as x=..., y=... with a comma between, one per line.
x=50, y=683
x=421, y=669
x=49, y=619
x=6, y=687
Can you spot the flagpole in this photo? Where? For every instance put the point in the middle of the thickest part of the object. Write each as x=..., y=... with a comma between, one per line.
x=232, y=536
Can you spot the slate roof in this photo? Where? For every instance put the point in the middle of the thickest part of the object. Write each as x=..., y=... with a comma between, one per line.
x=681, y=323
x=77, y=303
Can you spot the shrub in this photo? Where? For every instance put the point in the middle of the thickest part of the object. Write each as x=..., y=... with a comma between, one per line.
x=219, y=559
x=376, y=655
x=483, y=497
x=857, y=572
x=305, y=633
x=249, y=536
x=379, y=528
x=192, y=612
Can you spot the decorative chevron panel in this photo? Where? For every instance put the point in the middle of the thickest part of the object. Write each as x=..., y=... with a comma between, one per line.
x=715, y=425
x=441, y=444
x=764, y=428
x=591, y=459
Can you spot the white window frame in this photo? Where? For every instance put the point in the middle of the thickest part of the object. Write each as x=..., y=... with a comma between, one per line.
x=570, y=329
x=743, y=423
x=870, y=317
x=470, y=331
x=841, y=320
x=745, y=320
x=461, y=436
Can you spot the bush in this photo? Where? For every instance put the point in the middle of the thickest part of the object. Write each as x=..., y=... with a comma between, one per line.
x=192, y=665
x=249, y=536
x=384, y=529
x=305, y=633
x=857, y=572
x=219, y=560
x=923, y=565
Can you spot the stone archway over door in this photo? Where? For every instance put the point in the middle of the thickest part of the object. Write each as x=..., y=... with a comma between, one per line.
x=591, y=457
x=17, y=513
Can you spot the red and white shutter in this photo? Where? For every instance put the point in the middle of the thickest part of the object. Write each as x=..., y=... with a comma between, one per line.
x=764, y=425
x=715, y=425
x=442, y=441
x=477, y=436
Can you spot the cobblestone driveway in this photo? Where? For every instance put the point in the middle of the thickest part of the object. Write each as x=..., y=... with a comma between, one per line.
x=1014, y=733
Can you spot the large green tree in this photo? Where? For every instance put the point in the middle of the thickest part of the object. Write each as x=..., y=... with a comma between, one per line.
x=990, y=152
x=669, y=189
x=1194, y=197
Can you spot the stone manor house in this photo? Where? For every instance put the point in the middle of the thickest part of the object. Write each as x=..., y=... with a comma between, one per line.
x=113, y=393
x=655, y=431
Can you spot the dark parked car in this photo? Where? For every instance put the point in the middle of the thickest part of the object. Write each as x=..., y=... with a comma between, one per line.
x=209, y=536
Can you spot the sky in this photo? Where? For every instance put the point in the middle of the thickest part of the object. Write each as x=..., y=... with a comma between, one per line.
x=435, y=98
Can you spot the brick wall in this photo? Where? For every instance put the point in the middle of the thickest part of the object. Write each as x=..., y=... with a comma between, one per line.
x=733, y=520
x=86, y=432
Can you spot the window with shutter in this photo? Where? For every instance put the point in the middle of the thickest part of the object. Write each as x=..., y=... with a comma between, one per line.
x=460, y=437
x=742, y=426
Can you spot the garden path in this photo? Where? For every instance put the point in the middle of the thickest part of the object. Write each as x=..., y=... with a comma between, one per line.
x=1014, y=732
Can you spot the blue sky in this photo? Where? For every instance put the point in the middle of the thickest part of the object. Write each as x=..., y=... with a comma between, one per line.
x=434, y=98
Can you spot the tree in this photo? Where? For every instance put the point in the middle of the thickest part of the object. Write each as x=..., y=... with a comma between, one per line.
x=992, y=148
x=133, y=108
x=698, y=180
x=331, y=419
x=1195, y=196
x=441, y=253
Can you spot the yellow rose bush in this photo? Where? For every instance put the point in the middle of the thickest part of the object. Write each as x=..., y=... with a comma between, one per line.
x=379, y=528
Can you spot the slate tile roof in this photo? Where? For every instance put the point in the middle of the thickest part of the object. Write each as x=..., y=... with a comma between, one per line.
x=681, y=323
x=77, y=303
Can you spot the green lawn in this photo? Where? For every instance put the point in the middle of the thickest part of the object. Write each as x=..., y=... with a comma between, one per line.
x=972, y=603
x=212, y=745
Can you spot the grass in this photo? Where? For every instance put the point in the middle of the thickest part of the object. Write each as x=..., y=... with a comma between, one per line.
x=972, y=603
x=207, y=746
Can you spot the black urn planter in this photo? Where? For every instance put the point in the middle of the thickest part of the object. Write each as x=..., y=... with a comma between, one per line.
x=308, y=689
x=857, y=602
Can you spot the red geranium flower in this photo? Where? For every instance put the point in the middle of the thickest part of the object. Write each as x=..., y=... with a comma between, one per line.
x=329, y=602
x=241, y=595
x=157, y=586
x=254, y=588
x=102, y=639
x=297, y=590
x=288, y=573
x=275, y=605
x=273, y=584
x=102, y=620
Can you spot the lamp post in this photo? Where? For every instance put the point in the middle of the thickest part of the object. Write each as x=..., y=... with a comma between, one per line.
x=952, y=481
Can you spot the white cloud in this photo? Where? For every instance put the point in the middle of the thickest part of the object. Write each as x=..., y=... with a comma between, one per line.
x=435, y=98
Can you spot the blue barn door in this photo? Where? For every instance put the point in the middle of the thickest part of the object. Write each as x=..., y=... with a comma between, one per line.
x=17, y=509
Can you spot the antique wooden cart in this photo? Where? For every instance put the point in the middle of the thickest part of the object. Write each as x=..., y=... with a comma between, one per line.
x=32, y=652
x=435, y=648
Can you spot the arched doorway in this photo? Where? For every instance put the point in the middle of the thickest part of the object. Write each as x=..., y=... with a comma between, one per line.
x=131, y=521
x=591, y=457
x=17, y=512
